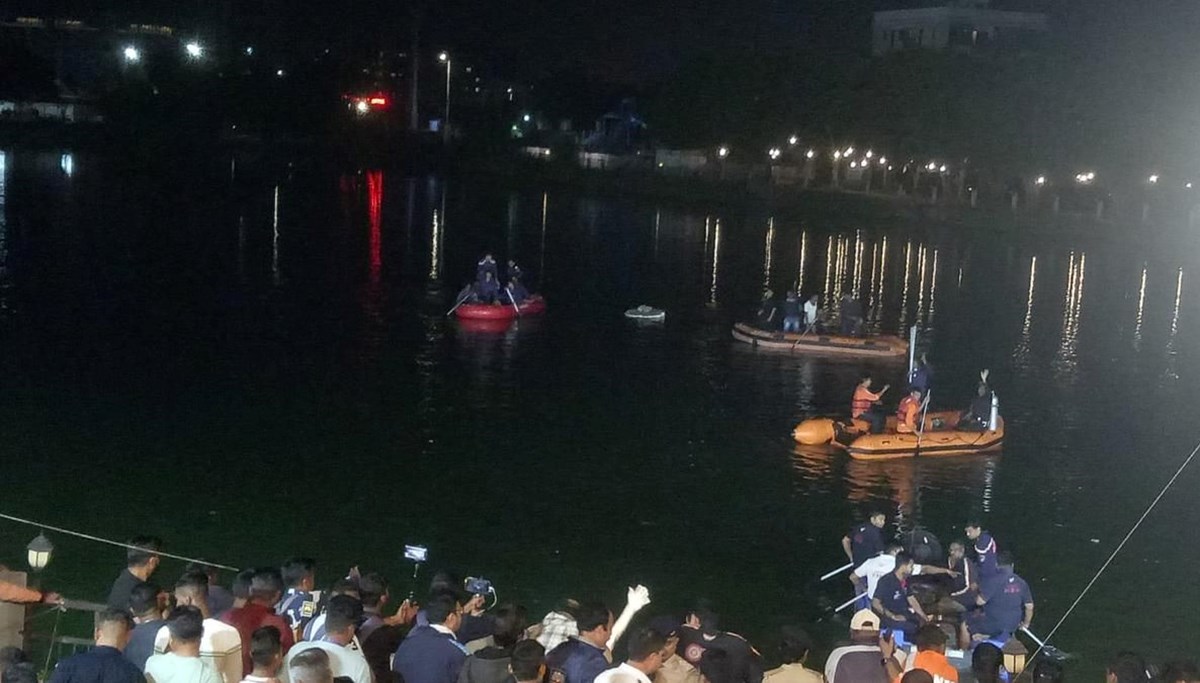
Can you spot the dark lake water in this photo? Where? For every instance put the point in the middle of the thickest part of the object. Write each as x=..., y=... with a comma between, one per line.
x=252, y=369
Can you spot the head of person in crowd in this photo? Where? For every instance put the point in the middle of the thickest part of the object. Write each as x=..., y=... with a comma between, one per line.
x=878, y=518
x=146, y=602
x=1180, y=672
x=266, y=651
x=443, y=581
x=112, y=628
x=668, y=626
x=957, y=552
x=508, y=625
x=917, y=676
x=186, y=627
x=19, y=673
x=310, y=666
x=445, y=610
x=192, y=589
x=373, y=591
x=1127, y=667
x=646, y=650
x=930, y=638
x=11, y=655
x=240, y=587
x=266, y=587
x=567, y=606
x=299, y=573
x=703, y=616
x=345, y=586
x=973, y=529
x=207, y=569
x=342, y=617
x=904, y=565
x=986, y=662
x=864, y=627
x=594, y=621
x=794, y=645
x=528, y=662
x=1047, y=671
x=141, y=557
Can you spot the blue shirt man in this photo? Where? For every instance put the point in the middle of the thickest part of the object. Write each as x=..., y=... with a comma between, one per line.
x=299, y=603
x=104, y=663
x=865, y=540
x=581, y=658
x=432, y=654
x=985, y=550
x=893, y=602
x=1006, y=600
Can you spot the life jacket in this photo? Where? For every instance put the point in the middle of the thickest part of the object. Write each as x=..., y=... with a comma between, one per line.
x=907, y=405
x=861, y=403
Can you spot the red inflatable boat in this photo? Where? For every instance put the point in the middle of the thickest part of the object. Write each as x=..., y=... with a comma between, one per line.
x=532, y=306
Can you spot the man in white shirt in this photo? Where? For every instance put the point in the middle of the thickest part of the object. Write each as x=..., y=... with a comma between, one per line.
x=341, y=621
x=810, y=314
x=646, y=654
x=310, y=665
x=881, y=565
x=182, y=664
x=220, y=644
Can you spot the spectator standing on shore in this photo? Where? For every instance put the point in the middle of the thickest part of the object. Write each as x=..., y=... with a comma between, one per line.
x=722, y=657
x=861, y=661
x=315, y=629
x=986, y=662
x=581, y=658
x=491, y=663
x=341, y=621
x=220, y=598
x=1127, y=667
x=310, y=665
x=220, y=643
x=299, y=605
x=240, y=588
x=646, y=654
x=931, y=655
x=266, y=654
x=146, y=604
x=182, y=662
x=104, y=663
x=675, y=669
x=141, y=560
x=528, y=662
x=794, y=647
x=266, y=589
x=559, y=625
x=379, y=636
x=432, y=653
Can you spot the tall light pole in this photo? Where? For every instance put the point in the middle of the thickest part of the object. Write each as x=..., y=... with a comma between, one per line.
x=444, y=57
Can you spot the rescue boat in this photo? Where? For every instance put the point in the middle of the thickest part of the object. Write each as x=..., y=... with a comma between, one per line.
x=941, y=437
x=534, y=305
x=794, y=342
x=646, y=313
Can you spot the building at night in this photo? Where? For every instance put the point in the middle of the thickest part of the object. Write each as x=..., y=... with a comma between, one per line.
x=962, y=25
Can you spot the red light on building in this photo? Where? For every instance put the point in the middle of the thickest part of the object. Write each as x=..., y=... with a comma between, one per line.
x=377, y=101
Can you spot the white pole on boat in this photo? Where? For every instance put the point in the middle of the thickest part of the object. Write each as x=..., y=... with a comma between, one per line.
x=912, y=350
x=849, y=602
x=1035, y=638
x=837, y=571
x=460, y=303
x=924, y=413
x=994, y=418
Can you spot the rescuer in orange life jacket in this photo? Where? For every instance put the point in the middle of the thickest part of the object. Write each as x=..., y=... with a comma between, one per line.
x=908, y=414
x=865, y=405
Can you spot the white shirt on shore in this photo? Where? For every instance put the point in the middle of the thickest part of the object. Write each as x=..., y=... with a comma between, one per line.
x=342, y=660
x=622, y=674
x=172, y=668
x=220, y=648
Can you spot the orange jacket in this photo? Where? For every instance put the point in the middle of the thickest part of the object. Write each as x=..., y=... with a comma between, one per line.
x=906, y=414
x=11, y=592
x=861, y=403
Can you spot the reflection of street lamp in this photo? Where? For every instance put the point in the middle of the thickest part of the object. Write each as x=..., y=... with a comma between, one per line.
x=444, y=57
x=132, y=54
x=40, y=549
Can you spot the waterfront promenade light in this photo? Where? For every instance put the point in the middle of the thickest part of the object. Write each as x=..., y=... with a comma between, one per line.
x=793, y=140
x=40, y=550
x=723, y=152
x=810, y=154
x=1153, y=179
x=132, y=54
x=774, y=153
x=194, y=50
x=1041, y=180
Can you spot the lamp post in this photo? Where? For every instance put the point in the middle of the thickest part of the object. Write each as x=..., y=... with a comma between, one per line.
x=444, y=57
x=40, y=549
x=722, y=154
x=132, y=54
x=194, y=50
x=1014, y=654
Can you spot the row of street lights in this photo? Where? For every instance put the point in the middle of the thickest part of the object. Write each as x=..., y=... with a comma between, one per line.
x=193, y=49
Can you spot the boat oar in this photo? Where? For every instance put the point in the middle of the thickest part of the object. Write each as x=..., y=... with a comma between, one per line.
x=921, y=430
x=514, y=305
x=849, y=602
x=1049, y=650
x=837, y=571
x=460, y=303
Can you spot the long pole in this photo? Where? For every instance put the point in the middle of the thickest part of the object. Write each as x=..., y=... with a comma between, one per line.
x=446, y=130
x=912, y=350
x=849, y=602
x=837, y=571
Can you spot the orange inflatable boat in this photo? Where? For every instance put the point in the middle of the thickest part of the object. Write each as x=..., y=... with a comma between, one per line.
x=792, y=342
x=940, y=438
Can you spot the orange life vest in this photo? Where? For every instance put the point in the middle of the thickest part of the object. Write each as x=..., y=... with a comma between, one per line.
x=906, y=414
x=861, y=403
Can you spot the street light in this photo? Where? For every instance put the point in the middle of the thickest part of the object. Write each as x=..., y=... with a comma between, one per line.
x=1014, y=654
x=1153, y=179
x=1041, y=180
x=849, y=151
x=837, y=154
x=132, y=54
x=870, y=154
x=40, y=549
x=526, y=118
x=793, y=140
x=882, y=161
x=723, y=152
x=810, y=154
x=444, y=57
x=942, y=168
x=774, y=153
x=194, y=50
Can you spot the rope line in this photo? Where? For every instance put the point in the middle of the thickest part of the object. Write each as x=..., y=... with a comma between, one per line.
x=1121, y=545
x=111, y=542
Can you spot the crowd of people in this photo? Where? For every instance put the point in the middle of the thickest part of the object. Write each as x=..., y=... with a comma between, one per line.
x=488, y=289
x=272, y=626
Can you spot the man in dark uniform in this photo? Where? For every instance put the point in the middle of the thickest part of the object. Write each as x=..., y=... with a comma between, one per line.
x=299, y=604
x=985, y=550
x=865, y=540
x=893, y=600
x=721, y=656
x=1007, y=605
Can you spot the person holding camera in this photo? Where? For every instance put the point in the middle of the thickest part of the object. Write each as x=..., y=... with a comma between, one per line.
x=432, y=653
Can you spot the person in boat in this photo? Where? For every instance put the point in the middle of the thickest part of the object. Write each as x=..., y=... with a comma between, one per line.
x=985, y=550
x=512, y=270
x=466, y=295
x=908, y=413
x=865, y=540
x=487, y=264
x=851, y=316
x=965, y=586
x=515, y=292
x=811, y=312
x=487, y=290
x=1006, y=602
x=865, y=405
x=767, y=317
x=894, y=601
x=791, y=313
x=979, y=413
x=921, y=376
